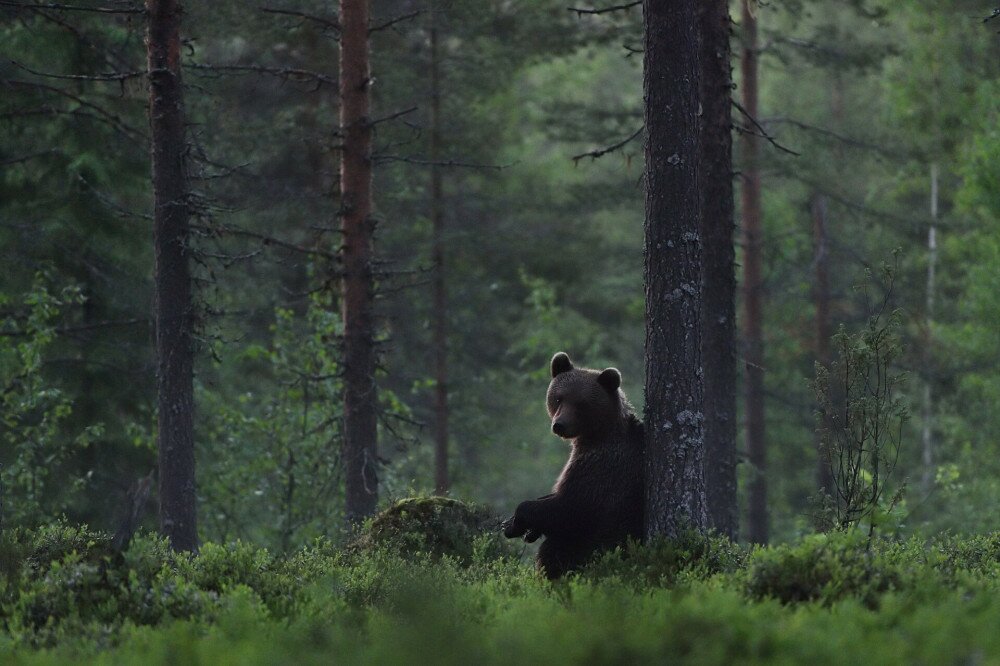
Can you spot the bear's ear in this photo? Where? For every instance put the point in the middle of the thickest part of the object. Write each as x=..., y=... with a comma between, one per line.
x=561, y=364
x=610, y=379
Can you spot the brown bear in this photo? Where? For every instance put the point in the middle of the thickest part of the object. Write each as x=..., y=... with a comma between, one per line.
x=597, y=501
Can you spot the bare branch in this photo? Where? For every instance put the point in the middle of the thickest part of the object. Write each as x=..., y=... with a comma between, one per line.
x=75, y=8
x=583, y=11
x=393, y=21
x=325, y=22
x=63, y=330
x=392, y=116
x=445, y=163
x=108, y=117
x=762, y=132
x=265, y=240
x=857, y=143
x=117, y=77
x=601, y=152
x=289, y=73
x=19, y=160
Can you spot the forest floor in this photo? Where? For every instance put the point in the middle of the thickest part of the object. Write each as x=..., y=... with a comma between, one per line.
x=417, y=598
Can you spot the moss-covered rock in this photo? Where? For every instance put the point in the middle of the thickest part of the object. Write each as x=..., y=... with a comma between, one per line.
x=435, y=527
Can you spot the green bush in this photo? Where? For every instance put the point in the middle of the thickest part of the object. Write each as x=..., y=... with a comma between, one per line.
x=828, y=568
x=662, y=561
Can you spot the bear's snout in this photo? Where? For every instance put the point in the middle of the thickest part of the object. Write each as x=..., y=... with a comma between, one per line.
x=560, y=428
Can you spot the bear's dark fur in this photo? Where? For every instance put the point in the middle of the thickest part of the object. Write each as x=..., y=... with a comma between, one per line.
x=597, y=502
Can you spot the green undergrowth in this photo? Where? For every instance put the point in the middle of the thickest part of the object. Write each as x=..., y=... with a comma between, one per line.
x=389, y=597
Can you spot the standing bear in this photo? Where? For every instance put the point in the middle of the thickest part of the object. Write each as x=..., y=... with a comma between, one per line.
x=597, y=501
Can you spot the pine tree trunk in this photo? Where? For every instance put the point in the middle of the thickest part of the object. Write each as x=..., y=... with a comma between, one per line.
x=757, y=527
x=821, y=295
x=927, y=431
x=675, y=474
x=441, y=482
x=173, y=311
x=358, y=226
x=719, y=280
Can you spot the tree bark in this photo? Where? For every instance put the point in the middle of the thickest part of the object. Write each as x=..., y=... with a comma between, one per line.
x=358, y=226
x=441, y=481
x=173, y=311
x=719, y=279
x=821, y=296
x=757, y=522
x=675, y=474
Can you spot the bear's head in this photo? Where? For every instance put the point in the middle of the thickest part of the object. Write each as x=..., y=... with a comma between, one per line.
x=583, y=402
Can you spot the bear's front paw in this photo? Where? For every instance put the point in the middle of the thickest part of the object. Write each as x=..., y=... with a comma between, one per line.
x=513, y=528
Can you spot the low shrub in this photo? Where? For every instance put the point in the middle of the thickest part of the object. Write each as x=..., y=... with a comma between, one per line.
x=661, y=562
x=827, y=568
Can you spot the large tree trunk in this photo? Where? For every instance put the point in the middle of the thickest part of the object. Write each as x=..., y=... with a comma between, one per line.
x=675, y=474
x=173, y=312
x=441, y=482
x=757, y=528
x=358, y=226
x=719, y=279
x=821, y=296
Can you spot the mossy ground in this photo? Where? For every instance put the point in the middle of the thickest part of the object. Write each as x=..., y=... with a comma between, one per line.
x=414, y=588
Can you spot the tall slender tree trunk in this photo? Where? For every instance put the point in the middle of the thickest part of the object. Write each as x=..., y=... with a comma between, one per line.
x=675, y=473
x=441, y=481
x=718, y=341
x=173, y=311
x=360, y=451
x=821, y=296
x=927, y=434
x=757, y=527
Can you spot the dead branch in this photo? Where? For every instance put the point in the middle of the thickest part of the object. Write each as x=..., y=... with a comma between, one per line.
x=265, y=240
x=26, y=158
x=761, y=132
x=325, y=22
x=288, y=73
x=393, y=21
x=117, y=77
x=392, y=116
x=111, y=119
x=445, y=163
x=75, y=8
x=850, y=141
x=601, y=152
x=584, y=11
